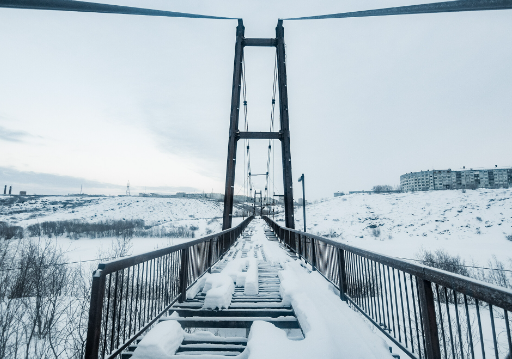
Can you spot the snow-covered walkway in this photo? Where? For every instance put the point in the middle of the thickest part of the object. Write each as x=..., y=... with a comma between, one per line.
x=260, y=301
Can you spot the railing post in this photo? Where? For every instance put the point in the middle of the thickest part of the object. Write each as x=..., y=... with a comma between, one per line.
x=313, y=254
x=428, y=311
x=223, y=243
x=210, y=256
x=92, y=345
x=183, y=275
x=342, y=274
x=299, y=247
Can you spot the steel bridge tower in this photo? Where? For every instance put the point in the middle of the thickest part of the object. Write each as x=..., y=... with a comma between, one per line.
x=283, y=135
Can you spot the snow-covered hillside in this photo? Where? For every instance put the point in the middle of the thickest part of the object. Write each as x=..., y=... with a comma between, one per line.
x=29, y=210
x=473, y=225
x=200, y=216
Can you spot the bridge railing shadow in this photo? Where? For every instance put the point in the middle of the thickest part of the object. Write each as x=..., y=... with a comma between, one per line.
x=130, y=294
x=426, y=312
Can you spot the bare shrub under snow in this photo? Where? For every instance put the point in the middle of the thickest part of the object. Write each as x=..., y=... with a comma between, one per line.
x=43, y=302
x=443, y=260
x=9, y=232
x=76, y=229
x=496, y=272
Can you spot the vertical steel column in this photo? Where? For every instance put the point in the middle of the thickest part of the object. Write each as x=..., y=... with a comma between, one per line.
x=428, y=312
x=233, y=128
x=285, y=128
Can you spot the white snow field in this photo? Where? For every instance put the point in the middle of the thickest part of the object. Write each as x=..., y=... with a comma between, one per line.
x=473, y=225
x=330, y=328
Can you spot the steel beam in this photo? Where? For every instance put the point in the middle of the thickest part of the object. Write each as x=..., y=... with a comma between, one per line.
x=259, y=135
x=260, y=42
x=233, y=128
x=285, y=128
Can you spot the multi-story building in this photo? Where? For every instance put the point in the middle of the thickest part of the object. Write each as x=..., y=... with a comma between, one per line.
x=448, y=179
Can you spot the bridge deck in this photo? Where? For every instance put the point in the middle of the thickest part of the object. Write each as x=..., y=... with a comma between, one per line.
x=226, y=332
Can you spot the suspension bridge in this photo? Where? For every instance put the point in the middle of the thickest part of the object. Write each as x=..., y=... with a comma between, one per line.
x=420, y=311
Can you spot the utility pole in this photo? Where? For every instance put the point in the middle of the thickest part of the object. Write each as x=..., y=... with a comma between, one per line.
x=273, y=209
x=261, y=204
x=301, y=179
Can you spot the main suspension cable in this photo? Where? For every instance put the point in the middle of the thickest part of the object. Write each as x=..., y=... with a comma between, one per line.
x=247, y=167
x=271, y=150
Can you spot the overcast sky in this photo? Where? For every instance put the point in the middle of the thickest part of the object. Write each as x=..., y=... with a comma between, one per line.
x=100, y=99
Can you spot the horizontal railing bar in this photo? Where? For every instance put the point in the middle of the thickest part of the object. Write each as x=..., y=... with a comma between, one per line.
x=125, y=262
x=260, y=135
x=486, y=292
x=269, y=42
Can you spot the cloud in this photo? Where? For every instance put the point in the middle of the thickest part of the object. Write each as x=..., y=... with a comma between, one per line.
x=12, y=136
x=51, y=184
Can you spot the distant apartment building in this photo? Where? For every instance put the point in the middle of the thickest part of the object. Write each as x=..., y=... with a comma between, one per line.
x=448, y=179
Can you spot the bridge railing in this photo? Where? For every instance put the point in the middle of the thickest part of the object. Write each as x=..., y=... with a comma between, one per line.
x=129, y=295
x=426, y=312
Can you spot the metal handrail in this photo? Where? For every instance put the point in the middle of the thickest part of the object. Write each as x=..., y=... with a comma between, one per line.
x=360, y=275
x=142, y=287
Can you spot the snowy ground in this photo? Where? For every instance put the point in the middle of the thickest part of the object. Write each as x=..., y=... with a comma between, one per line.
x=473, y=225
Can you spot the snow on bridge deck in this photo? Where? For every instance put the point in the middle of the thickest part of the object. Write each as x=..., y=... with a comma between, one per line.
x=261, y=302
